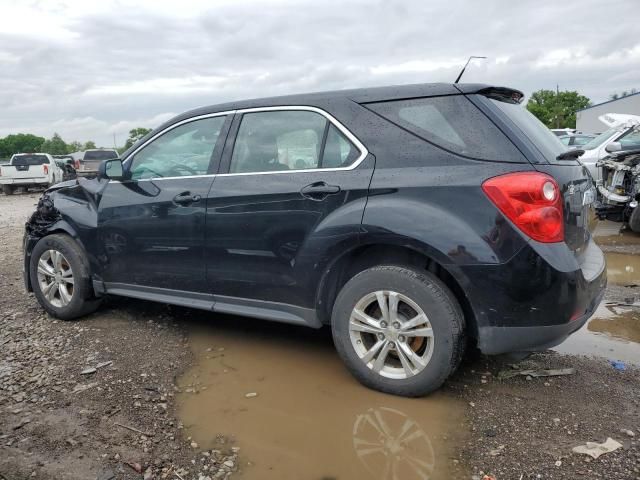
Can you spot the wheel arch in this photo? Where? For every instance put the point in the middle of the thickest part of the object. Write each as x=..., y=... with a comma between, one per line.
x=59, y=227
x=366, y=256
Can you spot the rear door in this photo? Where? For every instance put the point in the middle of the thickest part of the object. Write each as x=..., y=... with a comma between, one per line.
x=292, y=185
x=151, y=227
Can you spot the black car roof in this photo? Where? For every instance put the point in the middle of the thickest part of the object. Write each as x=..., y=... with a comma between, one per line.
x=359, y=95
x=320, y=99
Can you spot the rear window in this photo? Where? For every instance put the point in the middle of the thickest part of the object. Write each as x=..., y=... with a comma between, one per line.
x=544, y=139
x=29, y=160
x=100, y=155
x=452, y=123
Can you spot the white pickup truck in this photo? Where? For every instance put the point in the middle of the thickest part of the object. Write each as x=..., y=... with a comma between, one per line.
x=29, y=170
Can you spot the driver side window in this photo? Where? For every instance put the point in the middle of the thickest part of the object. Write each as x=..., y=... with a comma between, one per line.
x=182, y=151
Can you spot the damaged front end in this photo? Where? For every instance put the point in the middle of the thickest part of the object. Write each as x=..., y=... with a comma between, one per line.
x=69, y=208
x=619, y=189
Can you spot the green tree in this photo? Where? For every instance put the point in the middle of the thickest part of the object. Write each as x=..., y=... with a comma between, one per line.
x=74, y=146
x=89, y=145
x=557, y=109
x=55, y=146
x=135, y=134
x=19, y=143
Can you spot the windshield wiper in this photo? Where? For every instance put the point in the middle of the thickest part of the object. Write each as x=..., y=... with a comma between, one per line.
x=570, y=154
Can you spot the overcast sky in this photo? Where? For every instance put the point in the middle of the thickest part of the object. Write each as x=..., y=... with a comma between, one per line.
x=90, y=69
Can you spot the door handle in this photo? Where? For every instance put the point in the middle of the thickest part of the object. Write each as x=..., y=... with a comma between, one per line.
x=319, y=190
x=185, y=198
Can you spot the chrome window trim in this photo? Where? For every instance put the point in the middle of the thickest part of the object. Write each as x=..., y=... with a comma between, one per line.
x=352, y=138
x=330, y=118
x=171, y=127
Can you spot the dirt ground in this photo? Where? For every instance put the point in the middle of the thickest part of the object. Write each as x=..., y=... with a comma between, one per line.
x=123, y=420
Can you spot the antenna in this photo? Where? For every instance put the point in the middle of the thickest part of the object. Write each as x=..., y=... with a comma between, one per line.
x=465, y=66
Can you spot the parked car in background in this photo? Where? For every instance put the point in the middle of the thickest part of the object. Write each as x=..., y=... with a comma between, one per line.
x=409, y=218
x=67, y=164
x=561, y=132
x=29, y=170
x=623, y=130
x=89, y=160
x=576, y=140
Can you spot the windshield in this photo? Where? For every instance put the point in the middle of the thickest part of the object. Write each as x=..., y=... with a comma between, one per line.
x=29, y=160
x=100, y=155
x=544, y=139
x=599, y=140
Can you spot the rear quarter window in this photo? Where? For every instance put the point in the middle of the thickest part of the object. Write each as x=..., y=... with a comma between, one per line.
x=452, y=123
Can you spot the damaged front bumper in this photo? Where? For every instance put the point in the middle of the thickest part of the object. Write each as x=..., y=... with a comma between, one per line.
x=38, y=225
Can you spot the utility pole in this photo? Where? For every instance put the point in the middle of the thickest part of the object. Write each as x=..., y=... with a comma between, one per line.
x=557, y=106
x=465, y=66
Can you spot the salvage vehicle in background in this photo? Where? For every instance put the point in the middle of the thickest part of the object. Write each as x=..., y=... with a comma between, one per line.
x=29, y=170
x=561, y=132
x=89, y=160
x=576, y=140
x=624, y=129
x=67, y=164
x=412, y=219
x=619, y=187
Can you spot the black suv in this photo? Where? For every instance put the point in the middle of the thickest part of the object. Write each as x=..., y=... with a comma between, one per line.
x=412, y=219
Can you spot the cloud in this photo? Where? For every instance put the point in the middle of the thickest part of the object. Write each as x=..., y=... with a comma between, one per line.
x=88, y=70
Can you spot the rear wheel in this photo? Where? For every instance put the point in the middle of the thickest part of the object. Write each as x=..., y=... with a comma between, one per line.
x=398, y=331
x=7, y=189
x=60, y=278
x=634, y=220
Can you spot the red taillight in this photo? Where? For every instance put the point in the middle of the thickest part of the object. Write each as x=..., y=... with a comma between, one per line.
x=46, y=169
x=532, y=201
x=77, y=164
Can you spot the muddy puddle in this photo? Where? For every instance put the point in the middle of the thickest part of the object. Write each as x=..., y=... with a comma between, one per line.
x=613, y=333
x=623, y=269
x=308, y=418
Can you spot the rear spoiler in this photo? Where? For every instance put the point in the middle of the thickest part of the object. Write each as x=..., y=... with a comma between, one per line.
x=502, y=94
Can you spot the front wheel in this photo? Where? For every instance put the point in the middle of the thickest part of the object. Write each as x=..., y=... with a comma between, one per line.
x=60, y=278
x=398, y=330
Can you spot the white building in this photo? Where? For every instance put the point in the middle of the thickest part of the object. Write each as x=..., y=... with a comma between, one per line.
x=587, y=118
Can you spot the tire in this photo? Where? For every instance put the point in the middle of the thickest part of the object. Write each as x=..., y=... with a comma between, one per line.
x=415, y=291
x=7, y=189
x=66, y=300
x=634, y=220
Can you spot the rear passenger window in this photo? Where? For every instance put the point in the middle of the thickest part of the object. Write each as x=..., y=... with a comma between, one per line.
x=289, y=140
x=339, y=152
x=453, y=123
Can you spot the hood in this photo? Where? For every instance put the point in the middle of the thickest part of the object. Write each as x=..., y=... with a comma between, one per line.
x=613, y=120
x=58, y=186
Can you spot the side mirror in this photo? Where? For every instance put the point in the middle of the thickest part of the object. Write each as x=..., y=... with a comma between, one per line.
x=111, y=169
x=613, y=147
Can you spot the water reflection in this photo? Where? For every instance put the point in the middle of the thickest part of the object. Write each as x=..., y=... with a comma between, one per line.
x=613, y=332
x=310, y=419
x=623, y=269
x=618, y=322
x=392, y=445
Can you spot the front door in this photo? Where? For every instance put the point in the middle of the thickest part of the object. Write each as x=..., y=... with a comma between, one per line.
x=292, y=189
x=151, y=227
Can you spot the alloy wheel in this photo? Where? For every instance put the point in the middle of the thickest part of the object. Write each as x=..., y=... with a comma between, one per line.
x=55, y=278
x=391, y=334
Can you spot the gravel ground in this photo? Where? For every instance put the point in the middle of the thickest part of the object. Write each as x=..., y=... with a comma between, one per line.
x=58, y=423
x=119, y=421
